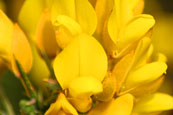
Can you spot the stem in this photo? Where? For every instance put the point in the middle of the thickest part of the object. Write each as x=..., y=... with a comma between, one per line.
x=45, y=57
x=26, y=81
x=5, y=103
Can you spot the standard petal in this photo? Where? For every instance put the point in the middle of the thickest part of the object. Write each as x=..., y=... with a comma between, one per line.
x=154, y=103
x=135, y=29
x=84, y=56
x=121, y=106
x=145, y=74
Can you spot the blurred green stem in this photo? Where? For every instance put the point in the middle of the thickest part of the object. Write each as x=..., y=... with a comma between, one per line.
x=5, y=103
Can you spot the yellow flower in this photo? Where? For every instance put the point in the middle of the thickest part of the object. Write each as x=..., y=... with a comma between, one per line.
x=61, y=107
x=81, y=67
x=120, y=22
x=66, y=19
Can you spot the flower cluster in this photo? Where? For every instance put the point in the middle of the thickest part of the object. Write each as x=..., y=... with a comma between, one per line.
x=98, y=53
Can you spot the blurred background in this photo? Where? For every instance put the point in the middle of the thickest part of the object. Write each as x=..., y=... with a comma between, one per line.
x=162, y=38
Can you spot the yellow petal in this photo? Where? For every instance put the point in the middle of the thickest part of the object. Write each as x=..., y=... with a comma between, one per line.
x=135, y=29
x=84, y=56
x=154, y=103
x=121, y=69
x=161, y=57
x=39, y=70
x=29, y=16
x=109, y=88
x=61, y=106
x=93, y=2
x=86, y=16
x=114, y=26
x=63, y=7
x=121, y=106
x=21, y=50
x=103, y=9
x=79, y=10
x=138, y=6
x=45, y=35
x=66, y=30
x=141, y=52
x=84, y=87
x=6, y=36
x=148, y=88
x=82, y=105
x=146, y=73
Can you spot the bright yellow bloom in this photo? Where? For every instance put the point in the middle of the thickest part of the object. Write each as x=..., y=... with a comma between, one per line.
x=81, y=67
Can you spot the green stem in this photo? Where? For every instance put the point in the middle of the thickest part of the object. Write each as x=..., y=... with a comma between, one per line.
x=26, y=81
x=6, y=104
x=45, y=57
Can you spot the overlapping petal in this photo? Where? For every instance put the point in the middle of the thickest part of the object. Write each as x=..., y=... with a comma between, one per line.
x=61, y=107
x=84, y=56
x=154, y=103
x=121, y=106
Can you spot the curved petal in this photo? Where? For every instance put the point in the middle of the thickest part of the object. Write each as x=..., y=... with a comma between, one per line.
x=66, y=30
x=45, y=35
x=79, y=10
x=141, y=52
x=154, y=103
x=86, y=16
x=63, y=7
x=84, y=87
x=29, y=16
x=145, y=74
x=6, y=36
x=136, y=29
x=61, y=106
x=21, y=50
x=103, y=10
x=121, y=106
x=84, y=56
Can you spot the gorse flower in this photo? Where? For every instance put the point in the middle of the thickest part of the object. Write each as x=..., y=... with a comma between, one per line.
x=98, y=56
